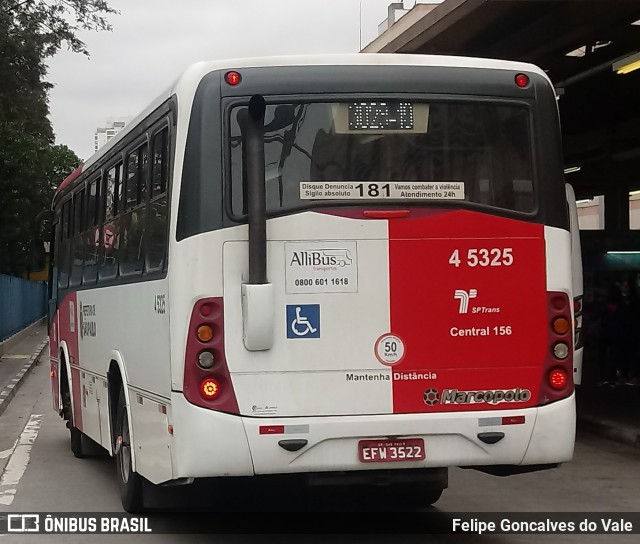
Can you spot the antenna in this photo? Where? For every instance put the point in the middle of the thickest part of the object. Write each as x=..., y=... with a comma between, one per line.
x=360, y=26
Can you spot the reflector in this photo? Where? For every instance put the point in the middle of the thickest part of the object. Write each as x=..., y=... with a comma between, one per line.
x=560, y=325
x=204, y=333
x=561, y=350
x=206, y=310
x=205, y=359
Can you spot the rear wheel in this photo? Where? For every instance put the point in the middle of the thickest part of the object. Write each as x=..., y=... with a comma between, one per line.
x=418, y=496
x=130, y=482
x=76, y=442
x=67, y=413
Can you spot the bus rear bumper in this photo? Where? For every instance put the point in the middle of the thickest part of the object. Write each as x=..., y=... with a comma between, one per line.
x=208, y=444
x=555, y=427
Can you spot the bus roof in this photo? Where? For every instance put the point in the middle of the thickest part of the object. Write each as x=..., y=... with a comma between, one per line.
x=364, y=59
x=189, y=79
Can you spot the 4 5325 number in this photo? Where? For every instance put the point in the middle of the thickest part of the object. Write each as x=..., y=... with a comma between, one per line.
x=483, y=257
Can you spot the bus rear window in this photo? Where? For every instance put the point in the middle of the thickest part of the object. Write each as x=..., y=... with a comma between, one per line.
x=383, y=150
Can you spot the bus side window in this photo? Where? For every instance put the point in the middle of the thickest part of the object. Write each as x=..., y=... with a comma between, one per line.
x=157, y=243
x=110, y=229
x=76, y=242
x=65, y=247
x=53, y=268
x=91, y=236
x=132, y=222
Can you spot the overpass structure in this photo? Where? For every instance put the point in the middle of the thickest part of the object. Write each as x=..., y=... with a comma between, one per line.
x=591, y=51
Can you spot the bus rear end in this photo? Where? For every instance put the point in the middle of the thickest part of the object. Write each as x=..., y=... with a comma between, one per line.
x=413, y=307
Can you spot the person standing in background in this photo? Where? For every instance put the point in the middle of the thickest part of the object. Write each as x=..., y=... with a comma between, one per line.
x=630, y=323
x=613, y=341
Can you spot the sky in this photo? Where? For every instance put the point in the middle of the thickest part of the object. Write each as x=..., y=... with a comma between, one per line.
x=153, y=41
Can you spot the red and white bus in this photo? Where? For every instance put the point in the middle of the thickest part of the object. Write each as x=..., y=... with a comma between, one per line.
x=348, y=269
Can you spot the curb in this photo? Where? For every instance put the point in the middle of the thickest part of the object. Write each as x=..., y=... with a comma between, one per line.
x=12, y=387
x=618, y=432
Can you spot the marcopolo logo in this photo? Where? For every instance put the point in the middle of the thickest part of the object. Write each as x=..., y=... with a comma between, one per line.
x=490, y=396
x=431, y=397
x=321, y=257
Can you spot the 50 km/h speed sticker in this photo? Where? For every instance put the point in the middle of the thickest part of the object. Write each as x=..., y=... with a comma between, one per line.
x=389, y=349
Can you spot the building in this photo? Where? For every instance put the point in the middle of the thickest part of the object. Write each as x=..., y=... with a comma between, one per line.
x=104, y=134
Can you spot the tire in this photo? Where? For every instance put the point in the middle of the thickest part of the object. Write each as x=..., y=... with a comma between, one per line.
x=417, y=496
x=76, y=442
x=430, y=497
x=130, y=483
x=67, y=413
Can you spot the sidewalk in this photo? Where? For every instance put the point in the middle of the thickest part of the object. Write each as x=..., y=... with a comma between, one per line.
x=18, y=359
x=612, y=412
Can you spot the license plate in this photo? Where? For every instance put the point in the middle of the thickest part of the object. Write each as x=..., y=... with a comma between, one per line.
x=385, y=451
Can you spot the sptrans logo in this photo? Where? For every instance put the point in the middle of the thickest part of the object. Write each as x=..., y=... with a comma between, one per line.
x=490, y=396
x=464, y=297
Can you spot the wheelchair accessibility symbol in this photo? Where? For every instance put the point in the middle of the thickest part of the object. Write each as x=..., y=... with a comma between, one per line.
x=303, y=320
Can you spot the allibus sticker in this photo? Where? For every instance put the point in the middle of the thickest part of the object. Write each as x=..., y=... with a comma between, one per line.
x=321, y=267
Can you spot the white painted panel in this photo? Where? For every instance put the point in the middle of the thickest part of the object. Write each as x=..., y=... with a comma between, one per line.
x=320, y=335
x=197, y=271
x=450, y=440
x=208, y=443
x=559, y=267
x=126, y=319
x=152, y=438
x=103, y=408
x=314, y=393
x=89, y=385
x=553, y=438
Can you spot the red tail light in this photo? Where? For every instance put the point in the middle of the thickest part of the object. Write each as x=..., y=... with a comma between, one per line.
x=209, y=388
x=556, y=380
x=207, y=381
x=232, y=78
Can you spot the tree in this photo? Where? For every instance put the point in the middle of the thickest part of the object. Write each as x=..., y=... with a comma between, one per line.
x=55, y=22
x=30, y=165
x=29, y=192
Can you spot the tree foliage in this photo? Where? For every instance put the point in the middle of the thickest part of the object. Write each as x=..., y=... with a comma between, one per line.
x=55, y=22
x=31, y=166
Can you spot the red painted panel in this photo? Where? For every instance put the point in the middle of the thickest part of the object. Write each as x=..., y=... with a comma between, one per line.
x=54, y=354
x=69, y=329
x=468, y=300
x=55, y=384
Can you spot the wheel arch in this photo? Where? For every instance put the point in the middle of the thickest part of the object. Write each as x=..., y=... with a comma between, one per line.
x=65, y=368
x=117, y=380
